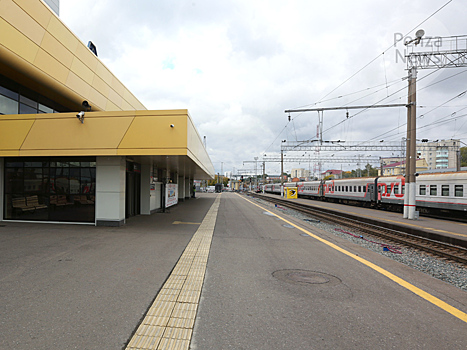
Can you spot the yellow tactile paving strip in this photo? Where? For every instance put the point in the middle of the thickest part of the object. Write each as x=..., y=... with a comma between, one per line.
x=170, y=320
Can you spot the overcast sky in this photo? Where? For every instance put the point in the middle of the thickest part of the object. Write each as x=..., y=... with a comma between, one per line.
x=236, y=65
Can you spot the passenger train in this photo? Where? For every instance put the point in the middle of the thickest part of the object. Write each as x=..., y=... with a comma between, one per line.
x=437, y=194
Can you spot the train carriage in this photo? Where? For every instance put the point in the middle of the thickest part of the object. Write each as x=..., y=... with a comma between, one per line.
x=350, y=191
x=442, y=193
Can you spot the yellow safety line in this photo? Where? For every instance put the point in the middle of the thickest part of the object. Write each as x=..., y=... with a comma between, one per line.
x=421, y=293
x=185, y=223
x=170, y=320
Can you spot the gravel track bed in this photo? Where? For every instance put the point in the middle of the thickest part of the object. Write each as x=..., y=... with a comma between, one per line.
x=449, y=272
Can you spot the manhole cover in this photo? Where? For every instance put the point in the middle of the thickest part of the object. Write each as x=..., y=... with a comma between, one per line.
x=305, y=277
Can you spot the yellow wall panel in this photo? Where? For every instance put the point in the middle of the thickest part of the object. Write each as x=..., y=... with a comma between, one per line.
x=65, y=152
x=63, y=34
x=37, y=10
x=13, y=133
x=115, y=98
x=118, y=86
x=155, y=132
x=57, y=50
x=100, y=85
x=16, y=42
x=152, y=152
x=126, y=106
x=104, y=73
x=86, y=56
x=67, y=133
x=78, y=85
x=15, y=15
x=81, y=70
x=51, y=66
x=112, y=106
x=98, y=100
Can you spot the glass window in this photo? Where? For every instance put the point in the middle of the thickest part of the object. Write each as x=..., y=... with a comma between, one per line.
x=388, y=189
x=445, y=190
x=396, y=189
x=36, y=191
x=422, y=190
x=25, y=109
x=8, y=93
x=459, y=190
x=8, y=106
x=359, y=188
x=364, y=189
x=28, y=102
x=346, y=188
x=45, y=109
x=350, y=188
x=433, y=190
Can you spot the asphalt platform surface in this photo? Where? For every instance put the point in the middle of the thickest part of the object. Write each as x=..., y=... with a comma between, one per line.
x=268, y=285
x=87, y=287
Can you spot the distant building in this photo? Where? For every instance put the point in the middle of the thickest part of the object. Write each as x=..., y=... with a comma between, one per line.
x=398, y=168
x=335, y=174
x=439, y=155
x=228, y=174
x=300, y=173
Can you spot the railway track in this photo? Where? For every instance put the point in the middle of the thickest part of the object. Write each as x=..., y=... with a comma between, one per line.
x=441, y=249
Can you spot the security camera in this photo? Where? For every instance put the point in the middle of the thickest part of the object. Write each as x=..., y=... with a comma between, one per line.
x=172, y=126
x=80, y=116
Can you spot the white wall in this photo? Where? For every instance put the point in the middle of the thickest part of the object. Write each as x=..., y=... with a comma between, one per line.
x=110, y=191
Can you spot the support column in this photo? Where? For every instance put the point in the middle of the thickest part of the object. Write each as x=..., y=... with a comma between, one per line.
x=110, y=191
x=188, y=186
x=411, y=158
x=181, y=187
x=145, y=189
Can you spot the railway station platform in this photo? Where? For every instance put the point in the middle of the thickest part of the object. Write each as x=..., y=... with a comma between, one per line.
x=454, y=231
x=218, y=272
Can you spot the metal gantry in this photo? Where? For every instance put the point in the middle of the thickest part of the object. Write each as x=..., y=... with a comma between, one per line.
x=357, y=146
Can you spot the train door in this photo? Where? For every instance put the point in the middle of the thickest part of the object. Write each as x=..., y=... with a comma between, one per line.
x=371, y=192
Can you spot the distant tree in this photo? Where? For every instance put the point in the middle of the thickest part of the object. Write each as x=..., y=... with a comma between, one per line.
x=463, y=156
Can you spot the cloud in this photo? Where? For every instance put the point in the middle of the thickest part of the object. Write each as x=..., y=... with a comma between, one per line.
x=237, y=65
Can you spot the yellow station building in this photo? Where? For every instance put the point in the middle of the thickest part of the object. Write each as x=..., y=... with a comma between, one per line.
x=75, y=144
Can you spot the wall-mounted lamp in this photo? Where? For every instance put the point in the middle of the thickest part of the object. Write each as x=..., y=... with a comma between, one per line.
x=80, y=117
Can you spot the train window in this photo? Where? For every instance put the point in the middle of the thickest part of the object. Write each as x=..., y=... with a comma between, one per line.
x=364, y=189
x=396, y=189
x=359, y=188
x=459, y=190
x=433, y=190
x=346, y=188
x=422, y=190
x=388, y=189
x=445, y=190
x=403, y=189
